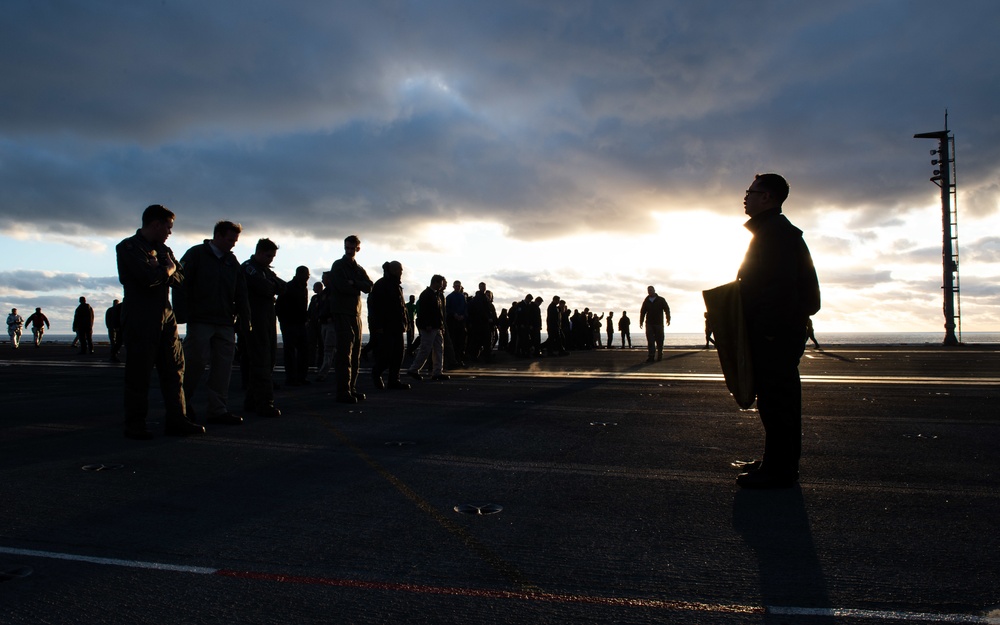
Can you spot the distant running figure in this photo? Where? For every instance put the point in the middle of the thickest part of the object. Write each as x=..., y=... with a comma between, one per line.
x=14, y=324
x=39, y=323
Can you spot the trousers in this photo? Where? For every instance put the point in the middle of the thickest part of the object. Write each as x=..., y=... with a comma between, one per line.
x=214, y=346
x=431, y=345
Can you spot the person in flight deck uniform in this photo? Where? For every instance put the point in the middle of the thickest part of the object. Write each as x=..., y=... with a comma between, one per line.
x=262, y=347
x=147, y=269
x=349, y=281
x=387, y=323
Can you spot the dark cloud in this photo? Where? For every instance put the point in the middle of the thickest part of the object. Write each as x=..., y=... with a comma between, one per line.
x=549, y=118
x=985, y=250
x=983, y=290
x=854, y=277
x=47, y=281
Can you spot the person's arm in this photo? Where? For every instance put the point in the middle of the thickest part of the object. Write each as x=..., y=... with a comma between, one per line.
x=362, y=281
x=242, y=304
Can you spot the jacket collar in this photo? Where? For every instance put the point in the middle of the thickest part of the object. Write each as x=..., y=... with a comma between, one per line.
x=754, y=224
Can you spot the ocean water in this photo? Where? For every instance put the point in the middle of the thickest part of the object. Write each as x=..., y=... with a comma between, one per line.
x=839, y=338
x=682, y=339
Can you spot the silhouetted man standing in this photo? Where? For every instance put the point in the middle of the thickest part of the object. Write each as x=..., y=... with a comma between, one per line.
x=387, y=323
x=431, y=322
x=556, y=343
x=348, y=281
x=83, y=325
x=314, y=334
x=779, y=290
x=293, y=317
x=623, y=327
x=457, y=308
x=654, y=309
x=113, y=322
x=213, y=299
x=147, y=269
x=262, y=286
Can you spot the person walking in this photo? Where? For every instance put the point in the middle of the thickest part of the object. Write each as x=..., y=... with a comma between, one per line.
x=431, y=323
x=654, y=310
x=14, y=324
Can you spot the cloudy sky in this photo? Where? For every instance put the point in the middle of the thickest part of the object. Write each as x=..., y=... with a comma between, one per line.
x=561, y=147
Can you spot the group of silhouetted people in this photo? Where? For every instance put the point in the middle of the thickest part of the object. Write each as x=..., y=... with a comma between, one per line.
x=83, y=327
x=221, y=299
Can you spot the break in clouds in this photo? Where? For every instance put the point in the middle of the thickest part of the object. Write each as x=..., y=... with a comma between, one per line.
x=548, y=119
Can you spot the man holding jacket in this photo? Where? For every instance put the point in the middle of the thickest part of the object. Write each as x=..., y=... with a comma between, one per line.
x=779, y=292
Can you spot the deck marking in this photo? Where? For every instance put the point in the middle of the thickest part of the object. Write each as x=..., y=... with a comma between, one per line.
x=519, y=595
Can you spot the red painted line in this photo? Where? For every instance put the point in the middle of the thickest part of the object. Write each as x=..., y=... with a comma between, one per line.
x=481, y=593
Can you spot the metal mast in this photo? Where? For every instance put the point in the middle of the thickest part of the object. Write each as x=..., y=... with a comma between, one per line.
x=944, y=177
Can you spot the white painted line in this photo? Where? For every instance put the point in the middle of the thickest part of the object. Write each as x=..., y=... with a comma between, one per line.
x=676, y=606
x=883, y=615
x=717, y=377
x=135, y=564
x=583, y=374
